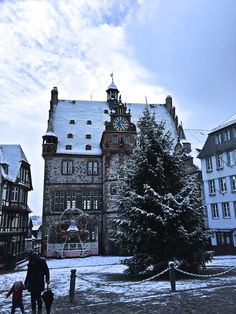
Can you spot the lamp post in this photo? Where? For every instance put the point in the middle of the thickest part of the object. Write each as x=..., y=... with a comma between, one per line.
x=12, y=261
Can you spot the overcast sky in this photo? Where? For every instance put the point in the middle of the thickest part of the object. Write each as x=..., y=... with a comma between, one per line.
x=185, y=48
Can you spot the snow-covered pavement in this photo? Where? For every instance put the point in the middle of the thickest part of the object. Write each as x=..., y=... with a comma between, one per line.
x=103, y=274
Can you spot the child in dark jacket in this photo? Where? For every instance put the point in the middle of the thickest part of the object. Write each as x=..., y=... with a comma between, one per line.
x=16, y=291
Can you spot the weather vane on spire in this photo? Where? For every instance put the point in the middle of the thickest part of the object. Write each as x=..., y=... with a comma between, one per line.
x=112, y=75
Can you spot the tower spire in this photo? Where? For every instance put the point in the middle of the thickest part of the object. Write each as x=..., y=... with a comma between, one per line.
x=112, y=92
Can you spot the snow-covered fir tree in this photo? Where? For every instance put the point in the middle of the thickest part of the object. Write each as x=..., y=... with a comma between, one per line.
x=160, y=213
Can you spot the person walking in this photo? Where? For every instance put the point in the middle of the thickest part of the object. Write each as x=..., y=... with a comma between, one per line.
x=36, y=274
x=17, y=298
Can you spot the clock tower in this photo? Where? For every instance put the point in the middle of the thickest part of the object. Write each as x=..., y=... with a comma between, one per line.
x=117, y=143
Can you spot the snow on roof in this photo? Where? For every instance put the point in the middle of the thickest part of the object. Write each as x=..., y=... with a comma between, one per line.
x=82, y=117
x=36, y=227
x=229, y=121
x=48, y=133
x=13, y=155
x=197, y=138
x=112, y=86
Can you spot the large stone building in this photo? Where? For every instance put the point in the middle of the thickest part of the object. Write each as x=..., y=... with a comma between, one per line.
x=218, y=158
x=83, y=146
x=15, y=183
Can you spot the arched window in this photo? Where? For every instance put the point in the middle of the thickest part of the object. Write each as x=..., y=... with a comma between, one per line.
x=70, y=135
x=88, y=147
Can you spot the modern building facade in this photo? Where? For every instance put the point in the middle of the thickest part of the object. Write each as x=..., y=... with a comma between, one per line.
x=15, y=183
x=218, y=160
x=83, y=147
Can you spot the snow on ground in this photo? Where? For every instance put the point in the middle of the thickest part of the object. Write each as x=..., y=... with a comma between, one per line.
x=99, y=273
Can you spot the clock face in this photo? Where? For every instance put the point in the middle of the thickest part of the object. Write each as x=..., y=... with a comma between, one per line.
x=120, y=124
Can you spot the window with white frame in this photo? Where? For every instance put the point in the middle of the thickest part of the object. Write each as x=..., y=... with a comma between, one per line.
x=233, y=182
x=218, y=138
x=67, y=167
x=95, y=199
x=24, y=175
x=226, y=135
x=5, y=193
x=231, y=157
x=71, y=199
x=219, y=161
x=222, y=185
x=86, y=199
x=212, y=189
x=14, y=194
x=234, y=132
x=209, y=164
x=226, y=210
x=214, y=211
x=234, y=204
x=92, y=167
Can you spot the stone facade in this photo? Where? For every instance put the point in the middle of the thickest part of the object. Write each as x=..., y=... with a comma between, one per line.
x=83, y=150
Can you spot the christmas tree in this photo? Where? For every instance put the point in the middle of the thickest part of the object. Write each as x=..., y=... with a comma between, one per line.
x=159, y=205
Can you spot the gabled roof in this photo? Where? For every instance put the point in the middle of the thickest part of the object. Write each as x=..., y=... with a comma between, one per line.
x=12, y=155
x=228, y=122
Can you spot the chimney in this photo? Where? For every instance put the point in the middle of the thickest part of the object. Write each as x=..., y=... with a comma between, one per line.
x=168, y=103
x=54, y=95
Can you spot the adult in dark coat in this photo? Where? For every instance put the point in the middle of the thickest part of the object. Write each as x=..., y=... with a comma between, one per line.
x=35, y=280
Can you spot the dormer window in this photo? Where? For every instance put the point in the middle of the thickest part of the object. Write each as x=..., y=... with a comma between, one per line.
x=89, y=122
x=226, y=135
x=72, y=121
x=5, y=167
x=68, y=147
x=70, y=135
x=106, y=111
x=88, y=147
x=234, y=132
x=88, y=136
x=218, y=138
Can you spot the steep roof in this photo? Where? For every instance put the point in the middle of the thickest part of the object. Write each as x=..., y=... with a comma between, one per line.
x=197, y=139
x=228, y=122
x=12, y=155
x=210, y=147
x=112, y=86
x=97, y=112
